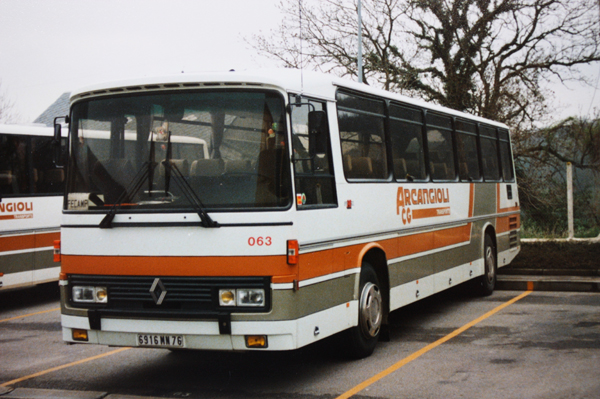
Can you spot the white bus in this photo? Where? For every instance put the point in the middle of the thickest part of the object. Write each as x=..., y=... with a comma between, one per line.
x=31, y=198
x=320, y=206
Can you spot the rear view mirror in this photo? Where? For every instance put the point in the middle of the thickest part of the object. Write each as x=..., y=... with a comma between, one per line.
x=57, y=148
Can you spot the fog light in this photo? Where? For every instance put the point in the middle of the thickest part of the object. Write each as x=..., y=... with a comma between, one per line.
x=256, y=341
x=80, y=335
x=227, y=297
x=101, y=295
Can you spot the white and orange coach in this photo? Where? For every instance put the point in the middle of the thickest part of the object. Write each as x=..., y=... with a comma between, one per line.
x=268, y=210
x=31, y=198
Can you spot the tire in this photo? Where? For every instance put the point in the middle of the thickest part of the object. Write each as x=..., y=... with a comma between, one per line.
x=363, y=338
x=486, y=283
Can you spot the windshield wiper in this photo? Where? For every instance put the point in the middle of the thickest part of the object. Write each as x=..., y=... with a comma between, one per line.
x=130, y=191
x=171, y=170
x=190, y=195
x=147, y=171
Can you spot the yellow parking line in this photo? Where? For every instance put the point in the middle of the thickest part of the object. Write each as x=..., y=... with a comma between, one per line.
x=30, y=314
x=429, y=347
x=64, y=366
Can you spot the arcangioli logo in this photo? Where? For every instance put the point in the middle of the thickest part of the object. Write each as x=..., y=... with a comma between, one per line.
x=409, y=203
x=13, y=207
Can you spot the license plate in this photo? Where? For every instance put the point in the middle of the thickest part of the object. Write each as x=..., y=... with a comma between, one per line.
x=164, y=340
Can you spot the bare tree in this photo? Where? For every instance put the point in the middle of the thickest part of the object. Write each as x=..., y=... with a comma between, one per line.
x=574, y=140
x=8, y=113
x=487, y=57
x=541, y=158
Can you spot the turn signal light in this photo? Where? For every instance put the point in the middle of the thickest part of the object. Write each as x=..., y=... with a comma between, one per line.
x=292, y=252
x=57, y=250
x=256, y=341
x=80, y=335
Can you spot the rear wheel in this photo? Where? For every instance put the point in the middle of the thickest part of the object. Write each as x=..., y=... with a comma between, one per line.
x=487, y=282
x=362, y=339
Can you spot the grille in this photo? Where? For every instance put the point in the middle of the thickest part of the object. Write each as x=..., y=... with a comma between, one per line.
x=512, y=237
x=184, y=295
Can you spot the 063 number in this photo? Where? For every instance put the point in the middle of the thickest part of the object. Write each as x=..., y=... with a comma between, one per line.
x=260, y=241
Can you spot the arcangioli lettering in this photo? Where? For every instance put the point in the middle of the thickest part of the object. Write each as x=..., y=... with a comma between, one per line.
x=420, y=196
x=16, y=207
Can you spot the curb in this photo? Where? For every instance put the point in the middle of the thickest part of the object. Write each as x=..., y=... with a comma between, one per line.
x=548, y=272
x=548, y=283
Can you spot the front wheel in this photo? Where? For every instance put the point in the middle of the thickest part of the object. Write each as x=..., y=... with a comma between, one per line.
x=362, y=339
x=486, y=283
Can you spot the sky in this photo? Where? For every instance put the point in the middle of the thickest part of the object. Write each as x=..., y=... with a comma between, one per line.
x=48, y=47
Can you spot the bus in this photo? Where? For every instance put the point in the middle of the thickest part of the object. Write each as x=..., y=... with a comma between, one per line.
x=320, y=206
x=31, y=198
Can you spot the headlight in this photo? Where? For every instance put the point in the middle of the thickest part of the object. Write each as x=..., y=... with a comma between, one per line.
x=90, y=294
x=254, y=297
x=242, y=297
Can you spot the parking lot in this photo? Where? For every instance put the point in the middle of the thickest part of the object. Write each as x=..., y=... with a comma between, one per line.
x=513, y=344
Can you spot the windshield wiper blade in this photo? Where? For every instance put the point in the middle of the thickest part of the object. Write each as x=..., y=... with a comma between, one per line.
x=189, y=194
x=131, y=190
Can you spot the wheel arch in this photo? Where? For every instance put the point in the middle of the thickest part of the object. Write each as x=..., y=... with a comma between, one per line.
x=489, y=230
x=375, y=255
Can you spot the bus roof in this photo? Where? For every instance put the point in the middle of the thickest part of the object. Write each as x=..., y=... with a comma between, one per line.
x=309, y=83
x=27, y=130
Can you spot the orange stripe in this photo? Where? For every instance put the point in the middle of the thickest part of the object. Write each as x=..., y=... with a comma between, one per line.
x=28, y=241
x=311, y=265
x=46, y=239
x=471, y=199
x=430, y=212
x=181, y=266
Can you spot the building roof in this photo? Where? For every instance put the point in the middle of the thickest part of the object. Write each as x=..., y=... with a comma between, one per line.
x=60, y=107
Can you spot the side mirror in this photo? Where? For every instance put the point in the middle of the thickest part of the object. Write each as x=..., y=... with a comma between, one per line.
x=318, y=130
x=57, y=149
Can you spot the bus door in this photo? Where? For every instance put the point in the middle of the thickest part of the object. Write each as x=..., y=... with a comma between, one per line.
x=313, y=177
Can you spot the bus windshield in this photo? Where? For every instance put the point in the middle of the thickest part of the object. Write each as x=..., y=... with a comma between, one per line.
x=229, y=148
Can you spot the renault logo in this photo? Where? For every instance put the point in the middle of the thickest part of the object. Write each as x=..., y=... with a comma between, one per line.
x=158, y=291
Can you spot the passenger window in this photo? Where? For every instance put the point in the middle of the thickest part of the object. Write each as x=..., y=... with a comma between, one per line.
x=506, y=157
x=15, y=155
x=441, y=152
x=362, y=135
x=47, y=178
x=489, y=153
x=406, y=132
x=314, y=179
x=466, y=149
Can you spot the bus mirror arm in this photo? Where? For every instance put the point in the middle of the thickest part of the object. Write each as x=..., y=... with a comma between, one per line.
x=57, y=141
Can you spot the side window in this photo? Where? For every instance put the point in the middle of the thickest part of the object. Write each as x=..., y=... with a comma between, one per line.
x=362, y=135
x=441, y=152
x=466, y=151
x=506, y=156
x=47, y=178
x=489, y=153
x=314, y=179
x=15, y=156
x=406, y=132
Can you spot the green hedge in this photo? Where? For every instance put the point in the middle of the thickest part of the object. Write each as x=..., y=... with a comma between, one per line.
x=578, y=256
